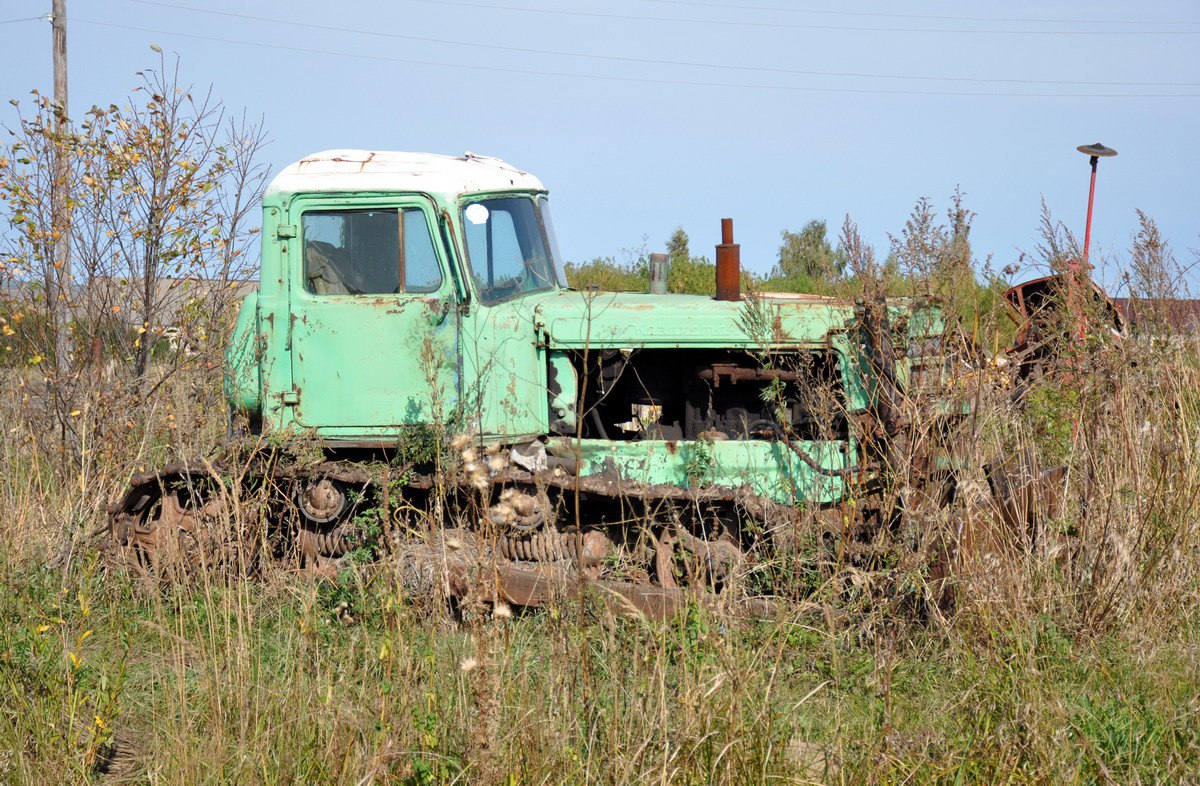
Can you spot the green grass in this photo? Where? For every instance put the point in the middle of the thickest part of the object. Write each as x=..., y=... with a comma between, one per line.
x=278, y=682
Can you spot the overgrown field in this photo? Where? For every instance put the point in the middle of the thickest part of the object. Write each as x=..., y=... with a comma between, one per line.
x=1071, y=653
x=1073, y=660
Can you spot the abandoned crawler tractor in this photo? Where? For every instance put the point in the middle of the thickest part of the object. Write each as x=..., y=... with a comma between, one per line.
x=414, y=325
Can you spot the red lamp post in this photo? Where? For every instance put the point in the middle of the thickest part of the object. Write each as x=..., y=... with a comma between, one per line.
x=1079, y=269
x=1095, y=152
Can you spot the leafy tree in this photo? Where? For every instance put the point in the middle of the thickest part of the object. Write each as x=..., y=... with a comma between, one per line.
x=692, y=276
x=677, y=246
x=160, y=219
x=809, y=253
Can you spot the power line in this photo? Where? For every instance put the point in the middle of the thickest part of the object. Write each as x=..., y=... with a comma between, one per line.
x=641, y=80
x=655, y=61
x=25, y=19
x=795, y=26
x=928, y=17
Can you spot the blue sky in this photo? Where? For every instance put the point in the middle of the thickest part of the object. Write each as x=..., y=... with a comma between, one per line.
x=630, y=149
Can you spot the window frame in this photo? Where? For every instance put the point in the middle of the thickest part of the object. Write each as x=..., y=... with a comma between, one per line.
x=535, y=197
x=350, y=204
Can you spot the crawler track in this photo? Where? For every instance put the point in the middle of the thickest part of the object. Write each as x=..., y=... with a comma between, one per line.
x=643, y=544
x=652, y=546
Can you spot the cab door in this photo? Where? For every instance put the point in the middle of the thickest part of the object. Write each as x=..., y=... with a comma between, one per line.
x=504, y=364
x=373, y=327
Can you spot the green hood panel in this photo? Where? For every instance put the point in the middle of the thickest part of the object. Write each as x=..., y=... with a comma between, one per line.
x=574, y=320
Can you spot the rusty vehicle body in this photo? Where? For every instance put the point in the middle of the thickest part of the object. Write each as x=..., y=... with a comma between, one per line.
x=414, y=324
x=1051, y=312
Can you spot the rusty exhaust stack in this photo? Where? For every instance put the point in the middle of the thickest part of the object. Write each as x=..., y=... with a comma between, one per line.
x=729, y=264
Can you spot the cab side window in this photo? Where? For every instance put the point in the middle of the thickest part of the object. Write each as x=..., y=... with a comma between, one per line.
x=369, y=252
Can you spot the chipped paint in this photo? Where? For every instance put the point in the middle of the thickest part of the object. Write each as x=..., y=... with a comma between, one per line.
x=766, y=469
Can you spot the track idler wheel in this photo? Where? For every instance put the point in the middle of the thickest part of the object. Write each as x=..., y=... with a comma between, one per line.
x=177, y=533
x=321, y=500
x=324, y=507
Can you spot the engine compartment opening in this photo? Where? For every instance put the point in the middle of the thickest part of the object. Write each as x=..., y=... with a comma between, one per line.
x=683, y=394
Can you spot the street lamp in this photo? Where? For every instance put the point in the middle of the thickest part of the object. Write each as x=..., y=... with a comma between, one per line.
x=1096, y=152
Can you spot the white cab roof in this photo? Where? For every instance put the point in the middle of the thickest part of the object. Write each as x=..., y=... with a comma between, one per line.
x=367, y=170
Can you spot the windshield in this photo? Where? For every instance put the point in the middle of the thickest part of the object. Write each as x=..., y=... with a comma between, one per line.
x=509, y=248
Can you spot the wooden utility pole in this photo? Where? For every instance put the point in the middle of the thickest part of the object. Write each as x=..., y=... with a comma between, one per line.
x=60, y=217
